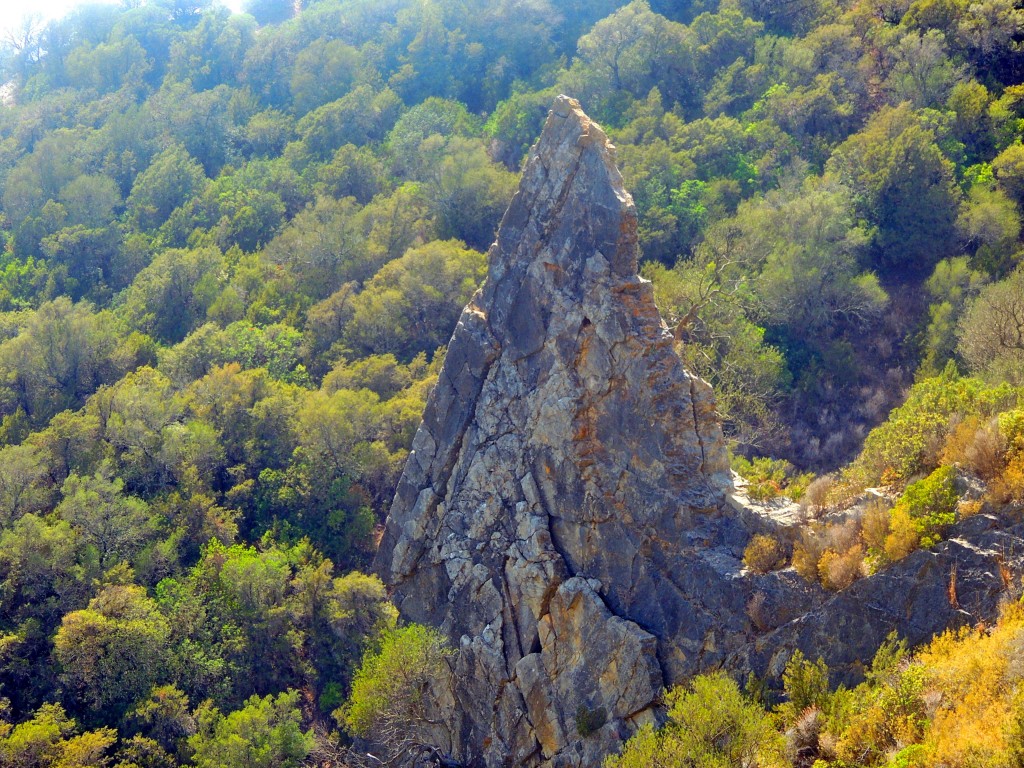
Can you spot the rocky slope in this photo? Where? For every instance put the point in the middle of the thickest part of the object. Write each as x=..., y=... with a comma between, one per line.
x=563, y=516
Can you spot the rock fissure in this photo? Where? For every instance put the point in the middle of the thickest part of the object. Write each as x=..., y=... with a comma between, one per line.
x=696, y=422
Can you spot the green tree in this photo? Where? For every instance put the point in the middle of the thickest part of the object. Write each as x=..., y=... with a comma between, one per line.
x=950, y=287
x=710, y=725
x=810, y=280
x=434, y=116
x=108, y=66
x=49, y=739
x=243, y=619
x=267, y=133
x=87, y=261
x=904, y=186
x=1008, y=167
x=113, y=652
x=989, y=225
x=171, y=179
x=170, y=297
x=323, y=71
x=265, y=733
x=64, y=353
x=627, y=54
x=411, y=305
x=90, y=200
x=269, y=11
x=923, y=72
x=323, y=247
x=212, y=52
x=115, y=524
x=352, y=172
x=41, y=568
x=23, y=482
x=391, y=700
x=992, y=330
x=706, y=307
x=468, y=192
x=164, y=717
x=340, y=618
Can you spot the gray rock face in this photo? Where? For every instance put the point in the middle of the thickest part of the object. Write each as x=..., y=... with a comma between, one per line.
x=563, y=515
x=962, y=581
x=563, y=458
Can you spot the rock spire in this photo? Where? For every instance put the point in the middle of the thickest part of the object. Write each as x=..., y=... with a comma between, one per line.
x=554, y=481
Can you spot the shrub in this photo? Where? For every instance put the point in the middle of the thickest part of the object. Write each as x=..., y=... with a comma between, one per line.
x=803, y=739
x=818, y=493
x=1011, y=427
x=904, y=536
x=932, y=504
x=969, y=507
x=758, y=613
x=771, y=478
x=1009, y=487
x=710, y=723
x=977, y=446
x=831, y=554
x=805, y=684
x=838, y=570
x=910, y=440
x=764, y=554
x=875, y=526
x=807, y=551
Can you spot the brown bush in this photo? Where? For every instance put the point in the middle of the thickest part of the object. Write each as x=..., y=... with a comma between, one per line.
x=816, y=497
x=802, y=739
x=976, y=446
x=764, y=554
x=838, y=570
x=807, y=551
x=875, y=524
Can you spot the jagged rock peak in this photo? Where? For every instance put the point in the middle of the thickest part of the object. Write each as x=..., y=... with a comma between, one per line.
x=572, y=165
x=543, y=516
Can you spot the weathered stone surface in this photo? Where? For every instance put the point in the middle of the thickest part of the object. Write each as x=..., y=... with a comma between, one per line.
x=563, y=458
x=960, y=582
x=564, y=518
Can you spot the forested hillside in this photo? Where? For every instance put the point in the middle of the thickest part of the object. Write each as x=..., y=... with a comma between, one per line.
x=234, y=247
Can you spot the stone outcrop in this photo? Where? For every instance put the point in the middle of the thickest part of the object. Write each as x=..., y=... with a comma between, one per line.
x=562, y=459
x=963, y=581
x=563, y=516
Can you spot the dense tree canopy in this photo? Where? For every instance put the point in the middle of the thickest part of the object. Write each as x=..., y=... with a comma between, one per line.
x=233, y=247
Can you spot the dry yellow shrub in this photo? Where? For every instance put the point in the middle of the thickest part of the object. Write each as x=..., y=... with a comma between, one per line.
x=838, y=570
x=764, y=554
x=976, y=445
x=958, y=440
x=1009, y=486
x=807, y=551
x=904, y=535
x=1013, y=478
x=969, y=507
x=875, y=525
x=976, y=673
